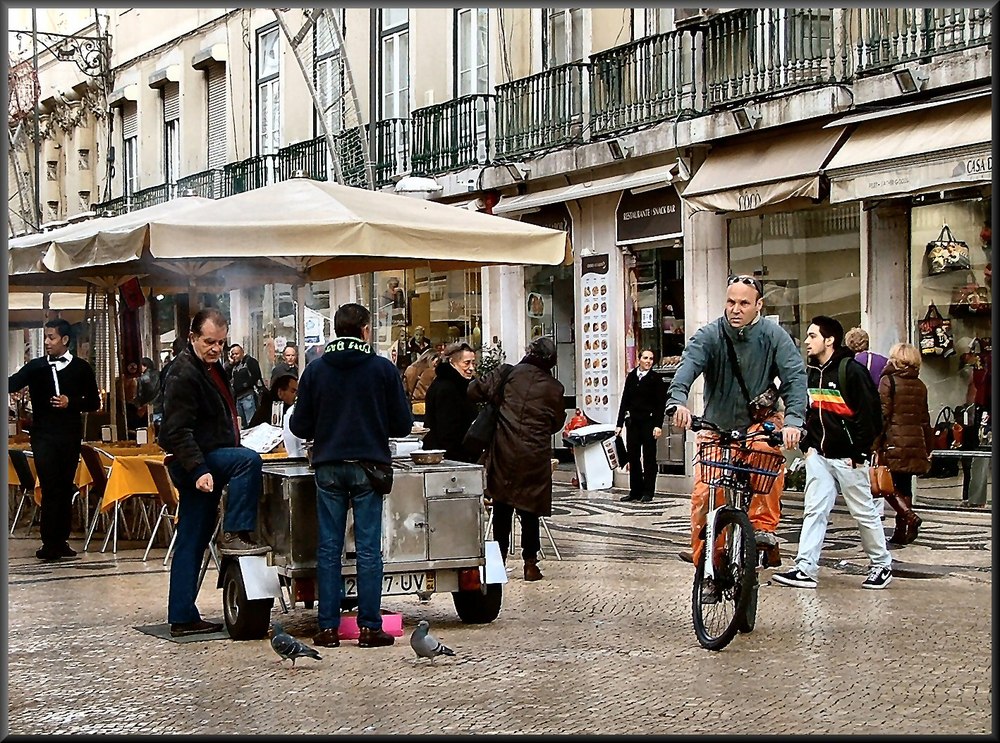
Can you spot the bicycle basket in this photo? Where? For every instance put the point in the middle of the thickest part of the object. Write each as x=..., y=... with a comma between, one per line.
x=760, y=467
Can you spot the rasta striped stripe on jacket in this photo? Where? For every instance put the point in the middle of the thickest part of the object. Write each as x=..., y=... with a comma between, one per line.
x=830, y=400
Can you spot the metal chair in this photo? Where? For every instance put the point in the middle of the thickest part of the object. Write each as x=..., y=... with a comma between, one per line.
x=26, y=489
x=99, y=482
x=169, y=498
x=513, y=533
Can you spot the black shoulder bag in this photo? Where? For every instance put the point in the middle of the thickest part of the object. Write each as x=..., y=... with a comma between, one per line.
x=379, y=475
x=484, y=427
x=763, y=405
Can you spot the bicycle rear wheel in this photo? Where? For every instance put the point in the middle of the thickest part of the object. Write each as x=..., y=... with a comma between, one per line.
x=716, y=623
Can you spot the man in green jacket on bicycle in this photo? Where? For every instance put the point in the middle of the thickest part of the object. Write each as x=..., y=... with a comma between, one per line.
x=740, y=355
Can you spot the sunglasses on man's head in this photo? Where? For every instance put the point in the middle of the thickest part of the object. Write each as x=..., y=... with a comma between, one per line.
x=749, y=281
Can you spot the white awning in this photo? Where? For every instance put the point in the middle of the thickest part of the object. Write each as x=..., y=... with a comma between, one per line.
x=526, y=202
x=927, y=150
x=767, y=170
x=857, y=118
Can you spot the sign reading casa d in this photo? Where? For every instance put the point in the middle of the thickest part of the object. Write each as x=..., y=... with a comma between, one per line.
x=649, y=215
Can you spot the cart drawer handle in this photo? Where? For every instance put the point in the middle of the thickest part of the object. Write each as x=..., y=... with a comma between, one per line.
x=451, y=491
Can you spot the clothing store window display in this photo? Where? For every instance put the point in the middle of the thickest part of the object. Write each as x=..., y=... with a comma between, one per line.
x=643, y=400
x=740, y=355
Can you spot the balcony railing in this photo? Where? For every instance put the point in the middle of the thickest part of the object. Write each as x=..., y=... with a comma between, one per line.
x=760, y=51
x=150, y=196
x=884, y=37
x=207, y=183
x=392, y=149
x=246, y=175
x=308, y=156
x=111, y=207
x=543, y=111
x=642, y=83
x=451, y=135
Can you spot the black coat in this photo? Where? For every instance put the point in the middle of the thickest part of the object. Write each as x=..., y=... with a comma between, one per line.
x=643, y=399
x=196, y=417
x=246, y=376
x=449, y=413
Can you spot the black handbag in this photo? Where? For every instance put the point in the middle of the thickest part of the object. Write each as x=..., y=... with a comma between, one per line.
x=484, y=427
x=947, y=254
x=379, y=476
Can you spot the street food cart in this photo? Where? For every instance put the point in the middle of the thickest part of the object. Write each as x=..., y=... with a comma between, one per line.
x=433, y=541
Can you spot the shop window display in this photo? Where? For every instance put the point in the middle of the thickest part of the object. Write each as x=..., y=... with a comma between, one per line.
x=809, y=262
x=549, y=311
x=655, y=306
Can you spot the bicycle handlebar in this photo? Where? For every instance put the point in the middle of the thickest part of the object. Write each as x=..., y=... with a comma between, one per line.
x=768, y=430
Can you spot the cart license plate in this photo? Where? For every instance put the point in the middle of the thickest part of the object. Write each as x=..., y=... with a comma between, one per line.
x=395, y=584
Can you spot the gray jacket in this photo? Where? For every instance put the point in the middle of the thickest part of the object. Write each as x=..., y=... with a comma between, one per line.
x=764, y=351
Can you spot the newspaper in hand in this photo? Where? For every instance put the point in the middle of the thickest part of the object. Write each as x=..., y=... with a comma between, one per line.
x=261, y=438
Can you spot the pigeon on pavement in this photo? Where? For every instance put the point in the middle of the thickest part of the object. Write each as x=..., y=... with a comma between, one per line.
x=288, y=647
x=425, y=645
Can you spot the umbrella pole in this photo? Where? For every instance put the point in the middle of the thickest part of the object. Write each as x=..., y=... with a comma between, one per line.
x=112, y=314
x=300, y=324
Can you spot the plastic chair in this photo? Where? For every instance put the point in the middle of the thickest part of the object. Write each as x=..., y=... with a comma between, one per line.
x=169, y=498
x=26, y=489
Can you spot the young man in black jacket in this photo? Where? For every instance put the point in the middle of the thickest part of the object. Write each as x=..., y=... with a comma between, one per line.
x=350, y=401
x=842, y=423
x=201, y=433
x=643, y=401
x=244, y=371
x=61, y=386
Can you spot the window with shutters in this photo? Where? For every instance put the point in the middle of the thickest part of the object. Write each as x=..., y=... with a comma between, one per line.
x=563, y=40
x=394, y=52
x=216, y=107
x=130, y=148
x=170, y=95
x=328, y=76
x=268, y=92
x=472, y=26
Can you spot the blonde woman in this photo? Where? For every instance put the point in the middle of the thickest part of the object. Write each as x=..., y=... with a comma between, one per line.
x=905, y=444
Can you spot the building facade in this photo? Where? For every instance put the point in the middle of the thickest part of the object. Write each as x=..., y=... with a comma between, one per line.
x=818, y=149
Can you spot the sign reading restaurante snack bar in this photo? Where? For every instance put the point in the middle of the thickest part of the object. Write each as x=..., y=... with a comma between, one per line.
x=649, y=215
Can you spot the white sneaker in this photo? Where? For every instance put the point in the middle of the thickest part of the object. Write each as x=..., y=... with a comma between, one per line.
x=794, y=578
x=877, y=578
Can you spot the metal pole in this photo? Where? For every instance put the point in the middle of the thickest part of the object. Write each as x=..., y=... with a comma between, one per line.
x=38, y=134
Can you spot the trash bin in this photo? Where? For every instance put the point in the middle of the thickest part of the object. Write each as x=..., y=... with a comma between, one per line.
x=594, y=454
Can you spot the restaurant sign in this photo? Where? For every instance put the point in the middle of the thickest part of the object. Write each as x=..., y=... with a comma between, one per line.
x=649, y=215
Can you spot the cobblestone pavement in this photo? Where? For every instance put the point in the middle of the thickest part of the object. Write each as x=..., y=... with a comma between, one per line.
x=603, y=645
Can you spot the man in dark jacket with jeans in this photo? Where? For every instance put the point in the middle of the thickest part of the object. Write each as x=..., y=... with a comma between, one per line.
x=350, y=402
x=200, y=432
x=842, y=423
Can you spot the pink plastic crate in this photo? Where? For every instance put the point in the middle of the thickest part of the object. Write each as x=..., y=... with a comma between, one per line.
x=392, y=624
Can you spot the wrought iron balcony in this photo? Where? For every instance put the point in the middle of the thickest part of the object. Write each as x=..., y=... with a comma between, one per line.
x=207, y=183
x=452, y=135
x=644, y=82
x=111, y=207
x=246, y=175
x=765, y=50
x=150, y=196
x=883, y=37
x=392, y=149
x=542, y=112
x=308, y=156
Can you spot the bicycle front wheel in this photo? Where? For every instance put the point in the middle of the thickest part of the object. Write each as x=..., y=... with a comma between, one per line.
x=719, y=609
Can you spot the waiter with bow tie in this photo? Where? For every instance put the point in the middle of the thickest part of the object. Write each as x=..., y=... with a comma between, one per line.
x=62, y=387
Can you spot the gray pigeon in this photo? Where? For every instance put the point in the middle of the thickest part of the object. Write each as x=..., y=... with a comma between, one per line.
x=425, y=645
x=288, y=647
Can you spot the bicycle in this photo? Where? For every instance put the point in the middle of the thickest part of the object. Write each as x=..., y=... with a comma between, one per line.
x=724, y=593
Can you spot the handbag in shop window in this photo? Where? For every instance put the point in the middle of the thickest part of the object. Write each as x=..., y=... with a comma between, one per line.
x=934, y=333
x=970, y=299
x=947, y=253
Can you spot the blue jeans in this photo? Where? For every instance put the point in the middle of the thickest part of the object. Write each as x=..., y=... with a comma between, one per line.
x=236, y=466
x=339, y=486
x=246, y=406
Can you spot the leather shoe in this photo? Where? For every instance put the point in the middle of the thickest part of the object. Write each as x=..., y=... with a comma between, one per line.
x=49, y=554
x=65, y=550
x=374, y=638
x=686, y=556
x=629, y=498
x=327, y=638
x=201, y=627
x=240, y=544
x=531, y=571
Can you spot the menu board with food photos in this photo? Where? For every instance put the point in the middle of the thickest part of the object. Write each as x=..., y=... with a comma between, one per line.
x=596, y=337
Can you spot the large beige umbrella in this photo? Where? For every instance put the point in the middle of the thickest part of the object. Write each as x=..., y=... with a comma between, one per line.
x=325, y=230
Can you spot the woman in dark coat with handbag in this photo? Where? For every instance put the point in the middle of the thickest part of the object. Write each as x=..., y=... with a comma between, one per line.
x=906, y=440
x=449, y=411
x=643, y=401
x=518, y=460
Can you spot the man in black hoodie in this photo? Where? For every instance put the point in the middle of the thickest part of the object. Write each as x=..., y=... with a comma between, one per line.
x=201, y=433
x=842, y=423
x=350, y=402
